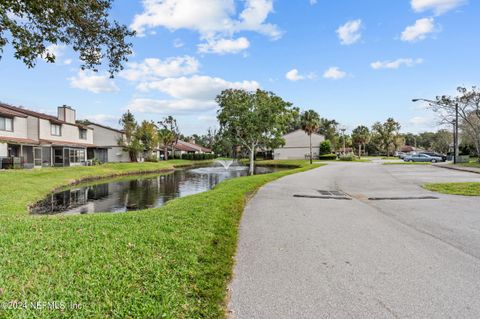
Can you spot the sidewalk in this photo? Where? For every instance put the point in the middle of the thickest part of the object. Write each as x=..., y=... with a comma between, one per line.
x=459, y=168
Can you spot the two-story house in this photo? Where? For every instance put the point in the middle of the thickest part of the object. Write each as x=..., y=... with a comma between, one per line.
x=42, y=140
x=106, y=147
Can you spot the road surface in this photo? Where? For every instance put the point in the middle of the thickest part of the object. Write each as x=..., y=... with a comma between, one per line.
x=301, y=257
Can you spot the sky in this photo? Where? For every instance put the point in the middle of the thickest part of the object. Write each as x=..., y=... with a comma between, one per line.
x=357, y=61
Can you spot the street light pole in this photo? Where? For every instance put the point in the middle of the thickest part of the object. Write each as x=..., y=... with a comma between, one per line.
x=455, y=158
x=343, y=135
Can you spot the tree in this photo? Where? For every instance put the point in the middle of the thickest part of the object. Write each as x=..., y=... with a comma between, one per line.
x=468, y=104
x=130, y=142
x=360, y=137
x=169, y=134
x=442, y=141
x=310, y=124
x=147, y=133
x=251, y=119
x=30, y=26
x=386, y=133
x=328, y=128
x=325, y=147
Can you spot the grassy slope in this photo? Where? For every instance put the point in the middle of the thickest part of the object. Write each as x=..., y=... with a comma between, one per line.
x=466, y=189
x=170, y=262
x=18, y=188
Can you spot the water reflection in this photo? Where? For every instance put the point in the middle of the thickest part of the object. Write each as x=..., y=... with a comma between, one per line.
x=138, y=193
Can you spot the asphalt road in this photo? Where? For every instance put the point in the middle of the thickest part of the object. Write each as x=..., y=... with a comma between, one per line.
x=326, y=258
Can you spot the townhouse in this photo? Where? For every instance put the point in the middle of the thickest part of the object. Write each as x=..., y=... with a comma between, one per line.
x=32, y=139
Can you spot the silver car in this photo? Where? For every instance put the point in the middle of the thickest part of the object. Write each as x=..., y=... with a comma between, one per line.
x=422, y=158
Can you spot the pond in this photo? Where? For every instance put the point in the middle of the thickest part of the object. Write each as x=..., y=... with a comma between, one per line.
x=138, y=192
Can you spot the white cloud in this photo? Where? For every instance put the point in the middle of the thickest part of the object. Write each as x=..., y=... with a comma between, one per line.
x=334, y=73
x=67, y=61
x=419, y=30
x=56, y=49
x=349, y=33
x=102, y=118
x=294, y=75
x=437, y=6
x=143, y=105
x=395, y=64
x=419, y=120
x=90, y=81
x=223, y=46
x=312, y=2
x=211, y=18
x=152, y=68
x=197, y=87
x=178, y=43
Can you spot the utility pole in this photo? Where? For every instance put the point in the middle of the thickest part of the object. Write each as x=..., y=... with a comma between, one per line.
x=456, y=152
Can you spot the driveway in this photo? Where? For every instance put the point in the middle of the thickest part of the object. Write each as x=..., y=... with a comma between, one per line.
x=312, y=257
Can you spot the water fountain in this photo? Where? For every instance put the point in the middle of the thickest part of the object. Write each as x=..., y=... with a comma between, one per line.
x=225, y=163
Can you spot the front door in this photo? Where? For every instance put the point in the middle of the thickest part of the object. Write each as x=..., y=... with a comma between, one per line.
x=37, y=156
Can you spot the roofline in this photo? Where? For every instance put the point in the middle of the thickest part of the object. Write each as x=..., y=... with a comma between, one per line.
x=105, y=127
x=42, y=116
x=304, y=132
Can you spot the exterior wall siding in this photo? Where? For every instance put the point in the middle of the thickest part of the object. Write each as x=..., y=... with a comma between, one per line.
x=70, y=133
x=20, y=128
x=297, y=145
x=3, y=149
x=108, y=138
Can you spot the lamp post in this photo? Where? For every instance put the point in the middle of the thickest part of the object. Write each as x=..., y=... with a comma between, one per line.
x=343, y=137
x=455, y=131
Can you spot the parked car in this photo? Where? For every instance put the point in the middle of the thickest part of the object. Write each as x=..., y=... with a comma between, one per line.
x=422, y=158
x=444, y=157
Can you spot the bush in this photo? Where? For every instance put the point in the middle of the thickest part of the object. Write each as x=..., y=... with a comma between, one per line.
x=198, y=156
x=347, y=157
x=328, y=157
x=151, y=159
x=326, y=148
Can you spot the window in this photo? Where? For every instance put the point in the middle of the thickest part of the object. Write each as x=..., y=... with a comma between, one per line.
x=77, y=156
x=56, y=130
x=83, y=133
x=6, y=124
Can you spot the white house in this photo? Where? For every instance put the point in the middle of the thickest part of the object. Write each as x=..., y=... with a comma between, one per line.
x=106, y=147
x=39, y=140
x=297, y=146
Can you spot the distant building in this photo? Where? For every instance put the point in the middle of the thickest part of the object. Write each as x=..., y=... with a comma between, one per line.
x=297, y=146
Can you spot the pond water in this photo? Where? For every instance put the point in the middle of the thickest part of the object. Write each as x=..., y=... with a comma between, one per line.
x=139, y=192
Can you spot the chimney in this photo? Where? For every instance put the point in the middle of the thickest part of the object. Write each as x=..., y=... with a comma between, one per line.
x=66, y=114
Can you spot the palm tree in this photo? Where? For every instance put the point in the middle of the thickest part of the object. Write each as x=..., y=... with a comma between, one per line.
x=361, y=136
x=166, y=138
x=310, y=124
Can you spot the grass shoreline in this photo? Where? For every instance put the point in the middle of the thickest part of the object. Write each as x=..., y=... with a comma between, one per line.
x=19, y=189
x=169, y=262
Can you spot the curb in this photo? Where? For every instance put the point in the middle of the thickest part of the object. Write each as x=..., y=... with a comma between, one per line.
x=463, y=169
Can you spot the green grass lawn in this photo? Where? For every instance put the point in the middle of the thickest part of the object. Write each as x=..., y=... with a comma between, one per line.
x=170, y=262
x=466, y=189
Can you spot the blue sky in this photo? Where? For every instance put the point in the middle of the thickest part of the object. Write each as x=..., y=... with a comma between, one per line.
x=355, y=61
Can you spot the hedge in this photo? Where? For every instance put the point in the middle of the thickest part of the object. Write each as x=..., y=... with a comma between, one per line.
x=328, y=157
x=198, y=156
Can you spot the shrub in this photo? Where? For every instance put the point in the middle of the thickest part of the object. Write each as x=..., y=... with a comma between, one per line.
x=328, y=157
x=151, y=158
x=347, y=157
x=198, y=156
x=326, y=148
